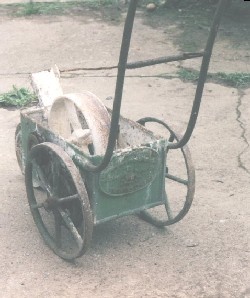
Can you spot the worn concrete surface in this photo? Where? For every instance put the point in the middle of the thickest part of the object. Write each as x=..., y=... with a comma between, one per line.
x=206, y=254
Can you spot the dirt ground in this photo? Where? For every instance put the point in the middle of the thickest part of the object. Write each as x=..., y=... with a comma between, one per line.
x=204, y=255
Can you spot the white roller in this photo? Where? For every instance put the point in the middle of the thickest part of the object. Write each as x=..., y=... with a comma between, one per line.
x=63, y=119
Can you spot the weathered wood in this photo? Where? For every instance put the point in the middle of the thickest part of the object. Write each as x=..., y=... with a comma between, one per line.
x=47, y=86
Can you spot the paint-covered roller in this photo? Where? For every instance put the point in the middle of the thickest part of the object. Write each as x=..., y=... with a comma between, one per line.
x=82, y=119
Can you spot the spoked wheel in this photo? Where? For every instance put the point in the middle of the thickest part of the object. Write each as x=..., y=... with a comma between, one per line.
x=60, y=206
x=179, y=182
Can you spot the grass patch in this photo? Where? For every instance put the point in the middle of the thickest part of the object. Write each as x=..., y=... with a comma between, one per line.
x=30, y=8
x=17, y=97
x=236, y=80
x=55, y=8
x=188, y=74
x=35, y=8
x=99, y=3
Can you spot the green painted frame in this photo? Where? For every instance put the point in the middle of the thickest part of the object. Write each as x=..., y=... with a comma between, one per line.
x=145, y=177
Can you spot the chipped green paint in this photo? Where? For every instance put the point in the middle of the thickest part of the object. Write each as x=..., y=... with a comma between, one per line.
x=129, y=171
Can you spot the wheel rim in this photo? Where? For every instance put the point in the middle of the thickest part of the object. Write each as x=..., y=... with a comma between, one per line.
x=18, y=148
x=175, y=208
x=34, y=140
x=60, y=207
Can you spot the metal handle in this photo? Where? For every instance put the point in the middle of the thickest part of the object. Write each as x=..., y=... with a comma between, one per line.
x=114, y=127
x=202, y=77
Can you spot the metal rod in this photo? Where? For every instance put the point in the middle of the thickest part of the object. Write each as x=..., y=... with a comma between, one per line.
x=176, y=179
x=114, y=127
x=150, y=62
x=202, y=77
x=142, y=63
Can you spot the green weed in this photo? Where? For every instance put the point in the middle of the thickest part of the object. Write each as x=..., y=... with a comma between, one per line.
x=17, y=97
x=237, y=79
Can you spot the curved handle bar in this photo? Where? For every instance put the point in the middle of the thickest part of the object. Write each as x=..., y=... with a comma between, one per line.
x=114, y=128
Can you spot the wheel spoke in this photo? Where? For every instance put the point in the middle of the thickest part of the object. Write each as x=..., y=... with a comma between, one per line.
x=67, y=199
x=37, y=206
x=177, y=179
x=41, y=176
x=168, y=208
x=58, y=228
x=70, y=225
x=55, y=176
